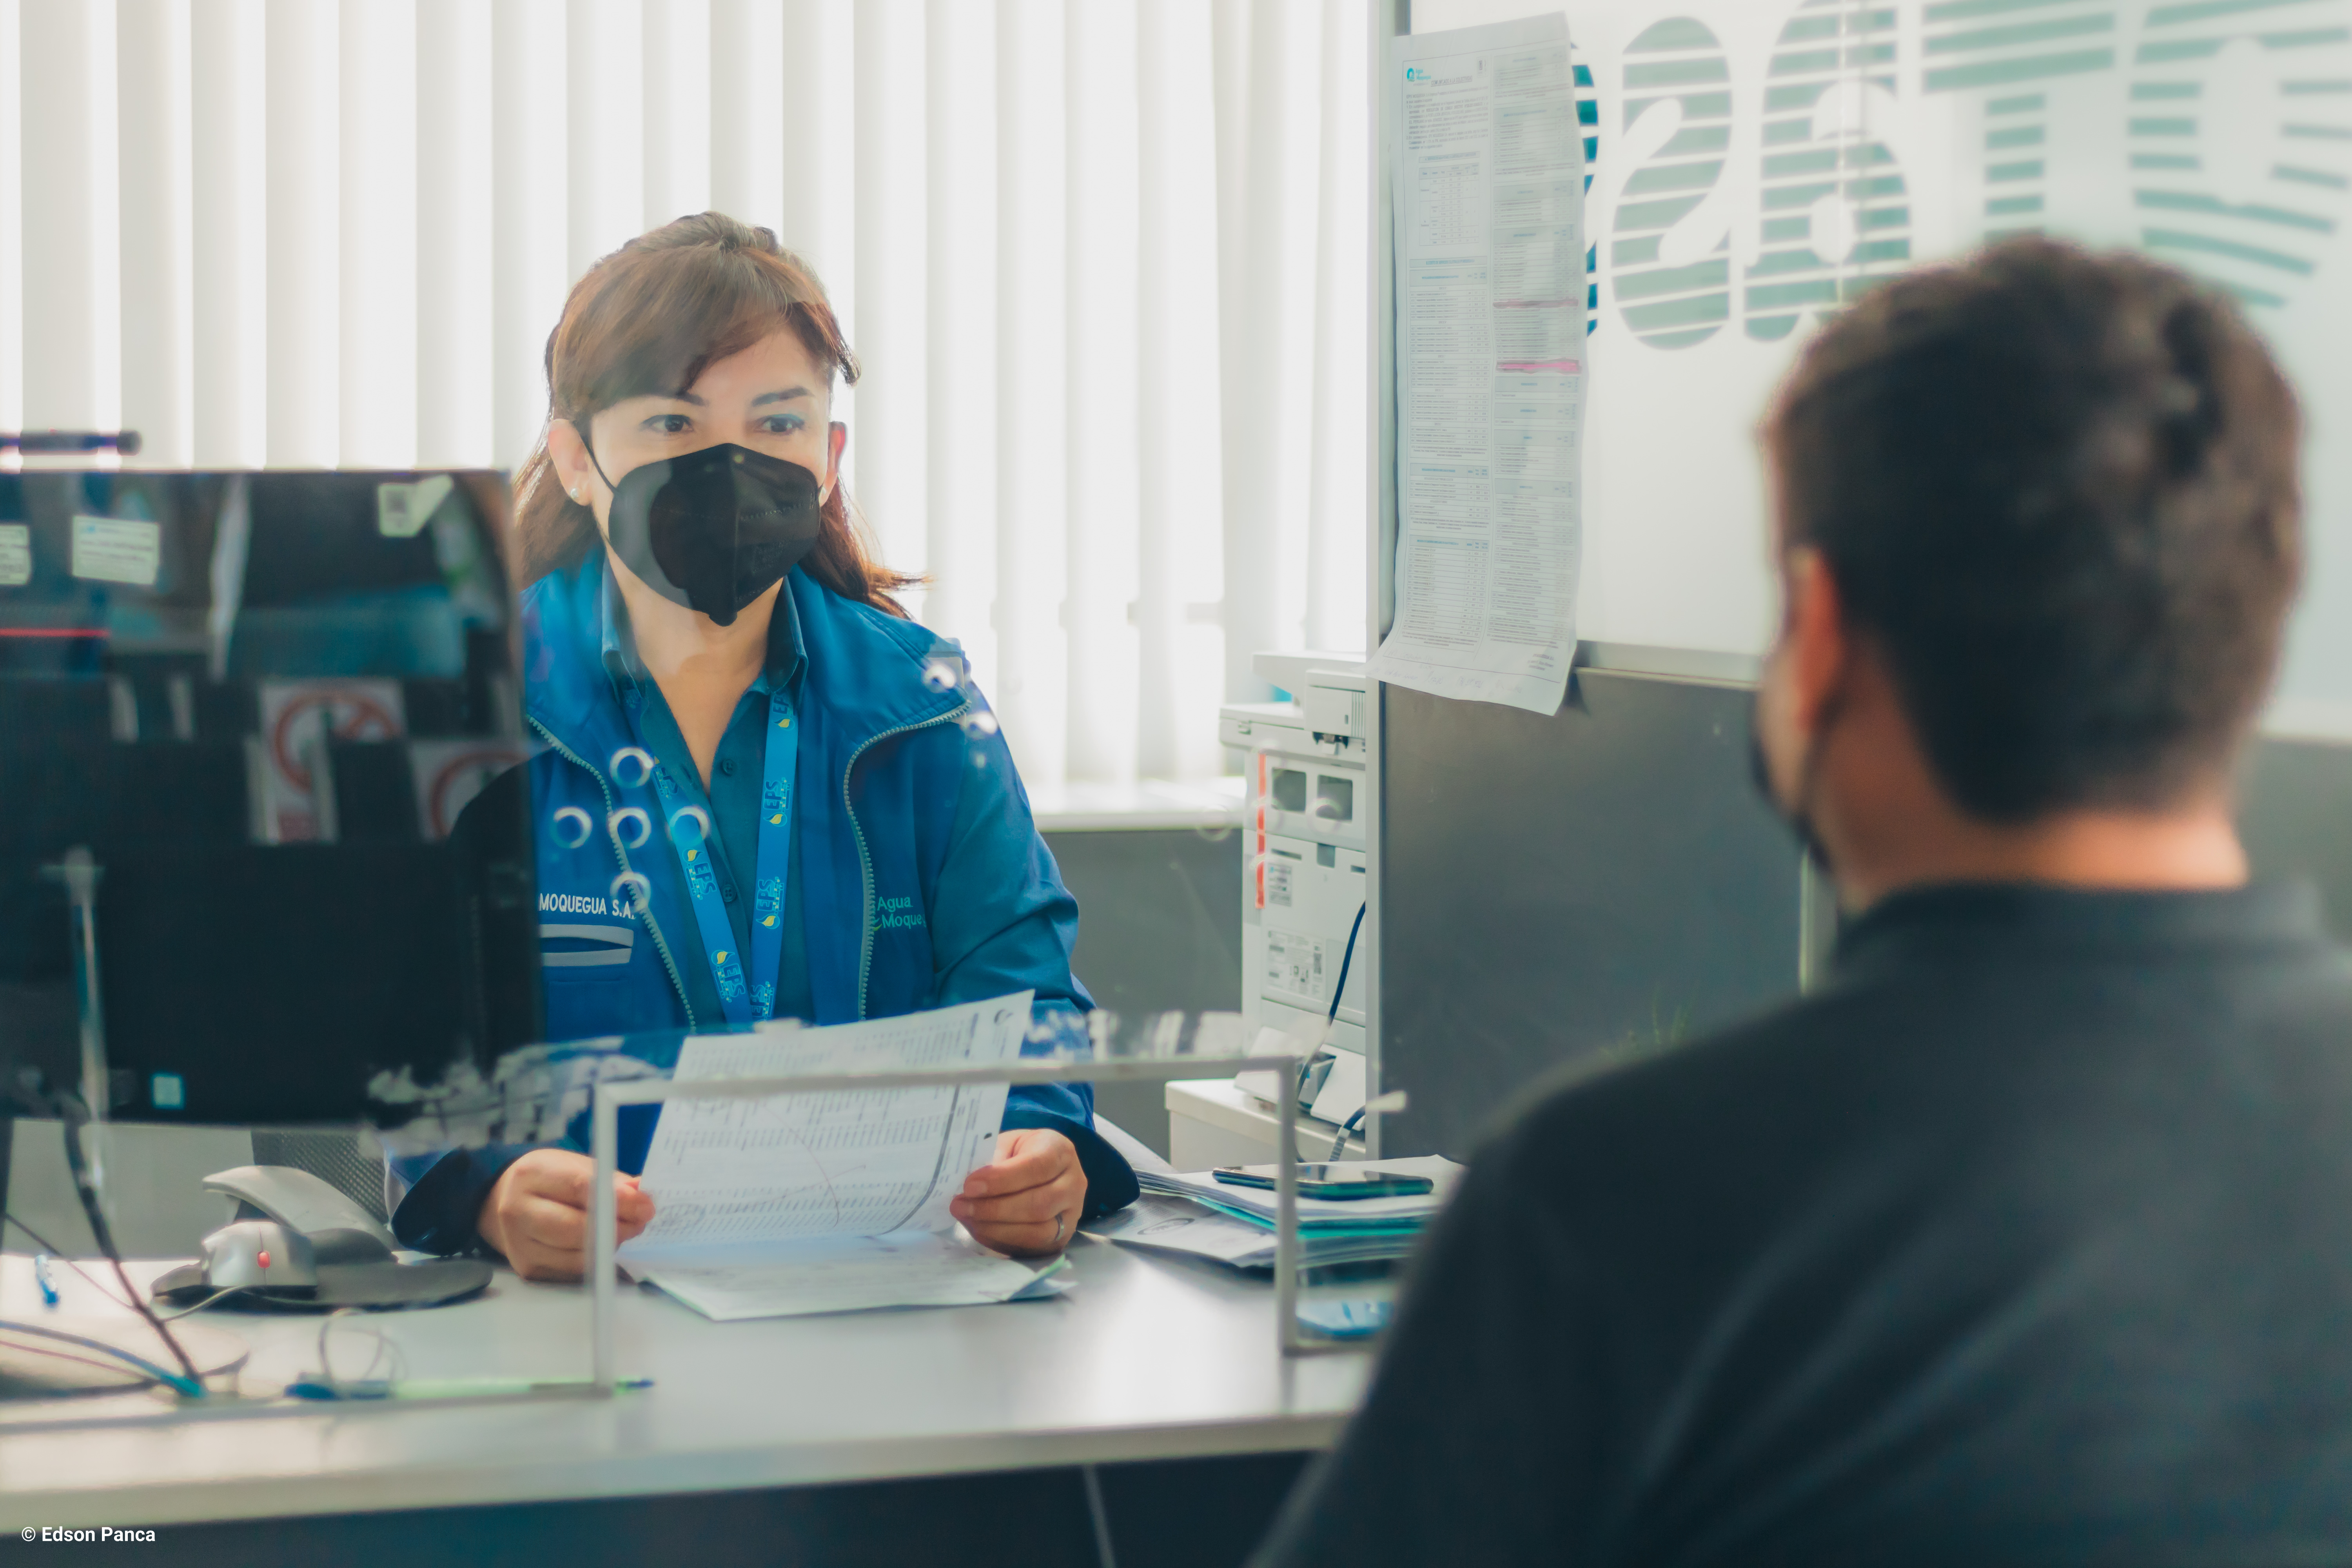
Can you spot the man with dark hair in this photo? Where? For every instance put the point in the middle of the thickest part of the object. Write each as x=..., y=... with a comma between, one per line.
x=2028, y=1237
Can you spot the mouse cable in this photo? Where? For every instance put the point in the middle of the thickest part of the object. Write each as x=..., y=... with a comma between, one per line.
x=75, y=1114
x=199, y=1305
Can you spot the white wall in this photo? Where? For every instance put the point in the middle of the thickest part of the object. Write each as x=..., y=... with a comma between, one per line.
x=1674, y=529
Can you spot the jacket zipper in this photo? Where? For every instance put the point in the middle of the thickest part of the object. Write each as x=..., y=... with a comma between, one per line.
x=865, y=860
x=661, y=943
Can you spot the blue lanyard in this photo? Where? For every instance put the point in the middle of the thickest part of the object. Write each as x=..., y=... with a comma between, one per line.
x=743, y=1004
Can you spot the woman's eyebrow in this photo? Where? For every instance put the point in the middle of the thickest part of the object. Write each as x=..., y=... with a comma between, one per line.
x=784, y=397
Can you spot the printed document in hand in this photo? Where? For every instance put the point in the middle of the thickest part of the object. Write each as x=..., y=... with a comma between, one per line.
x=837, y=1200
x=1490, y=359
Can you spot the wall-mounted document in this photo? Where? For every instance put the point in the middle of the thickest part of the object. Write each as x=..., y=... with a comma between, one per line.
x=765, y=1207
x=1488, y=162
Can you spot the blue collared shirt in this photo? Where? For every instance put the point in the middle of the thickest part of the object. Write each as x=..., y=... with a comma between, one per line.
x=733, y=797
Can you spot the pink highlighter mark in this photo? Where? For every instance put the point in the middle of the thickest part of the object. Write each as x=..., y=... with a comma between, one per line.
x=1563, y=366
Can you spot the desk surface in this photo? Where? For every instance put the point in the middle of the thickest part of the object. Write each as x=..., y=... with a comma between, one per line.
x=1148, y=1358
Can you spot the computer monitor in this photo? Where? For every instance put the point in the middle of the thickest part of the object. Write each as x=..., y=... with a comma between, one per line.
x=259, y=701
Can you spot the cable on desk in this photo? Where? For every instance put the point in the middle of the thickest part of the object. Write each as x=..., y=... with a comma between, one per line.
x=169, y=1379
x=52, y=1249
x=329, y=1384
x=198, y=1307
x=59, y=1353
x=96, y=1284
x=72, y=1115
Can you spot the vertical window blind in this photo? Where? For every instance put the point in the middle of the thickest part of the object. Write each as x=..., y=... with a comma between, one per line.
x=1105, y=261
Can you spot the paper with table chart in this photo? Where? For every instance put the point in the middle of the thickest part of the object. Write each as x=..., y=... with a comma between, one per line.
x=834, y=1201
x=1490, y=325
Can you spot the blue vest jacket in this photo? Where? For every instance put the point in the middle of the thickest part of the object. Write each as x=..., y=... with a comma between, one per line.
x=923, y=881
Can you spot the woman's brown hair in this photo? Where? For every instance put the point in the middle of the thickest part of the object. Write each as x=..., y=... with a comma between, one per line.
x=648, y=318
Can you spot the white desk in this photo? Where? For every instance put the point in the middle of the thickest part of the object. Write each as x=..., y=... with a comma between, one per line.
x=1146, y=1359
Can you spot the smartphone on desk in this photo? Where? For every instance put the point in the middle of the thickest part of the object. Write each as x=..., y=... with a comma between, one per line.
x=1334, y=1181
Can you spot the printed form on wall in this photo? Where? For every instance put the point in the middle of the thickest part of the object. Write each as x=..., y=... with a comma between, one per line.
x=1490, y=322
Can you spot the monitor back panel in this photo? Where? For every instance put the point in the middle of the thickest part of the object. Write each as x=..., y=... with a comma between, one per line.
x=1602, y=879
x=263, y=703
x=1608, y=880
x=2295, y=815
x=219, y=961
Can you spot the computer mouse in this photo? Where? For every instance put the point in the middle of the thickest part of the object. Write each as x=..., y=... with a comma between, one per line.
x=254, y=1253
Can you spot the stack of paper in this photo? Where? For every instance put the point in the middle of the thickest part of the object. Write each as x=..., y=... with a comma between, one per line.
x=832, y=1202
x=1314, y=1214
x=1154, y=1223
x=1195, y=1214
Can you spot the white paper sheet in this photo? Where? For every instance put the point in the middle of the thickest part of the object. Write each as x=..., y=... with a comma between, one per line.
x=745, y=1191
x=1490, y=303
x=851, y=1274
x=846, y=1162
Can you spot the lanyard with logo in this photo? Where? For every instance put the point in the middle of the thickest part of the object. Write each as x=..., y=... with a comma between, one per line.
x=690, y=835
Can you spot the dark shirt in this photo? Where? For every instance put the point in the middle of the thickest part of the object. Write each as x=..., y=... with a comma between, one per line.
x=2028, y=1239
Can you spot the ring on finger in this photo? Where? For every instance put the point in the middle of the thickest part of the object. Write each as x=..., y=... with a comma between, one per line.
x=1061, y=1224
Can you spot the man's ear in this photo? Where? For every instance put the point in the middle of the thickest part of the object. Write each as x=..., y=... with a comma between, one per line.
x=1819, y=648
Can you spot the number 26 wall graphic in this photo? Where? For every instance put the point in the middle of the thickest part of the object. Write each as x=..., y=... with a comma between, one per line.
x=1759, y=191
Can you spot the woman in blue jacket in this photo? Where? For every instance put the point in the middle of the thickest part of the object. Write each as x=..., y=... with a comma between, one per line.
x=764, y=792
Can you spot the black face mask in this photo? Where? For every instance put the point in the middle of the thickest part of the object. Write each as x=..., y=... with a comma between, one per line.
x=716, y=529
x=1798, y=818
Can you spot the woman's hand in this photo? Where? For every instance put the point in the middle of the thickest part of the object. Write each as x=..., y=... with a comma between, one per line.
x=1028, y=1200
x=538, y=1214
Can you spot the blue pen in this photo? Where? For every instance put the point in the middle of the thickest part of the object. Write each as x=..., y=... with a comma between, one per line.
x=41, y=1277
